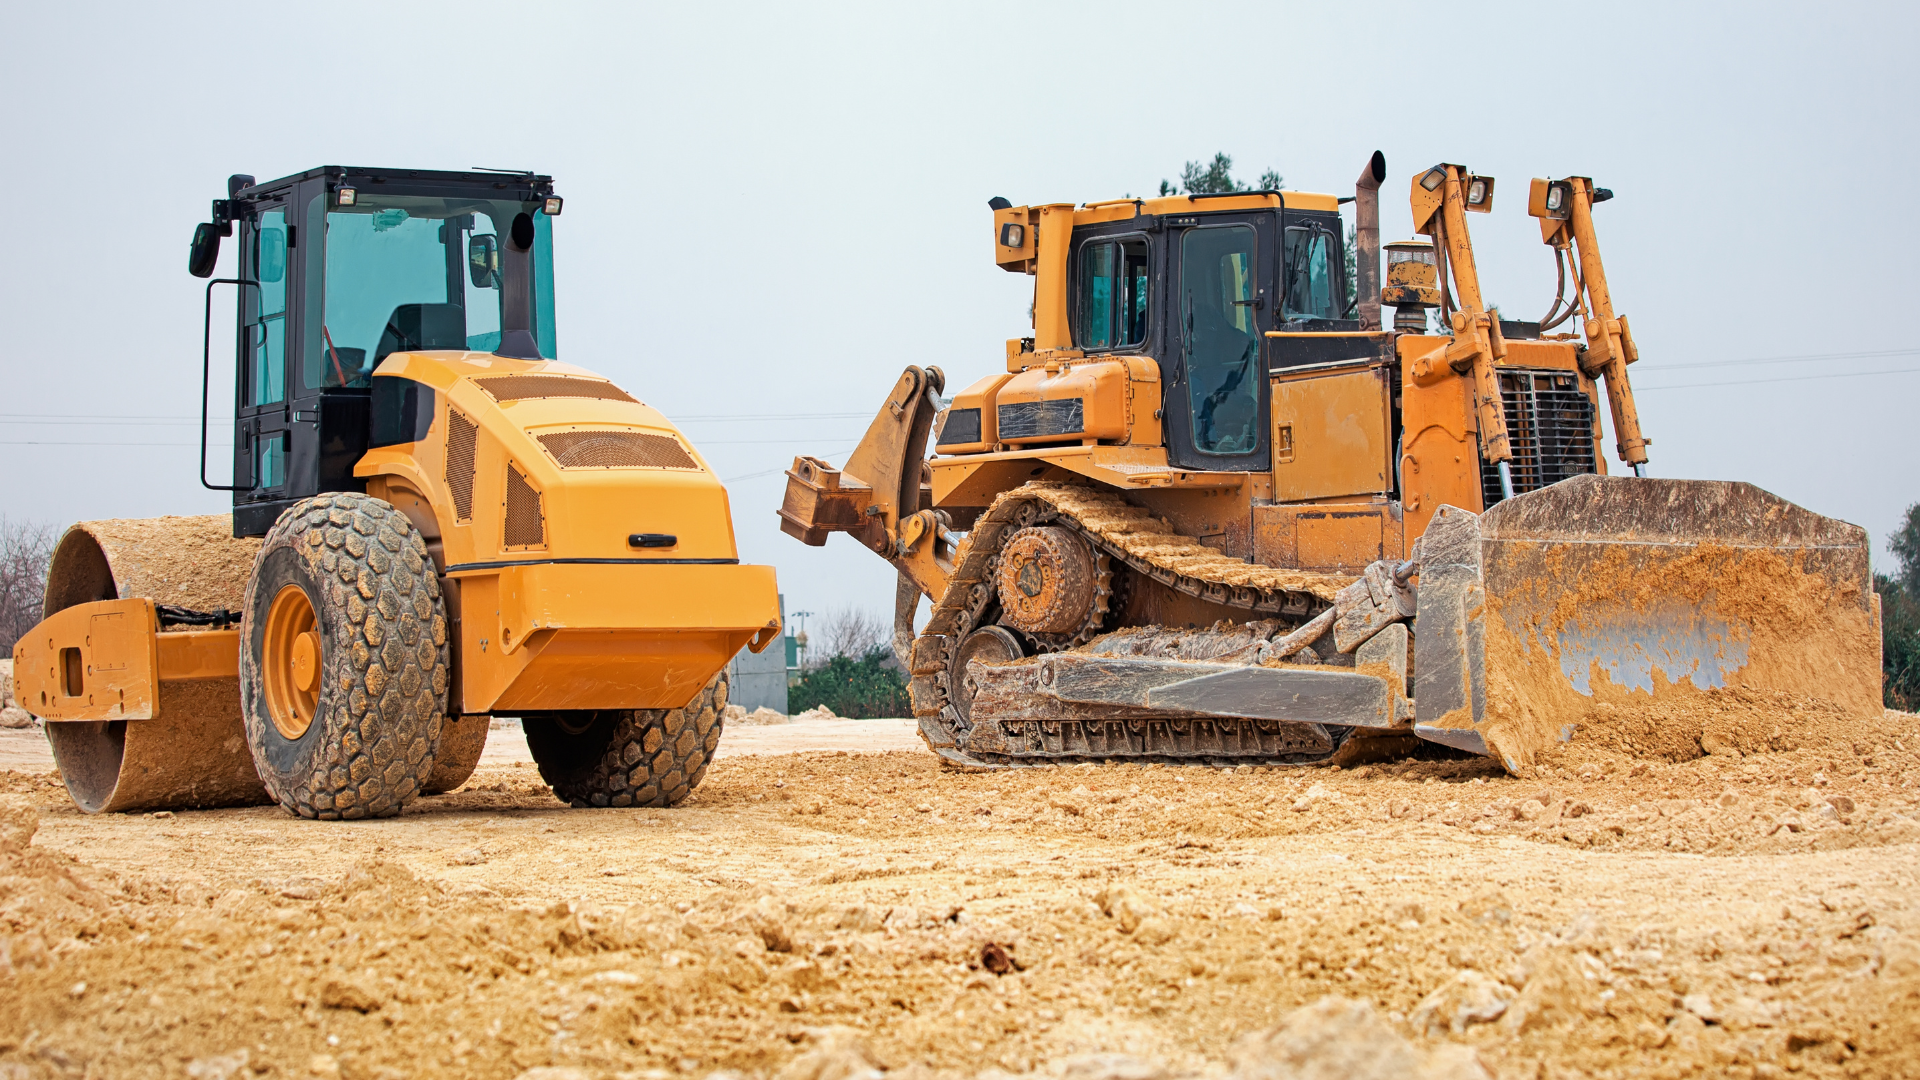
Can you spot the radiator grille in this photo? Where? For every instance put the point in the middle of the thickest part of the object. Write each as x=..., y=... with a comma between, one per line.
x=518, y=387
x=1040, y=419
x=525, y=526
x=1550, y=427
x=462, y=438
x=616, y=450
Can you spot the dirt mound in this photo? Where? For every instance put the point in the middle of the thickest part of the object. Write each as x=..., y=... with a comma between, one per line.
x=832, y=916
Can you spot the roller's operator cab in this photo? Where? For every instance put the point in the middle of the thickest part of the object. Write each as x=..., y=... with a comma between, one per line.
x=340, y=268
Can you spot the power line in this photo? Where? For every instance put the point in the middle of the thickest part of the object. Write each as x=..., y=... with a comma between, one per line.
x=52, y=419
x=1787, y=378
x=1804, y=358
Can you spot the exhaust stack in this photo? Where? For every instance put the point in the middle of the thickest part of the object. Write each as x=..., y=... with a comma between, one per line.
x=1366, y=238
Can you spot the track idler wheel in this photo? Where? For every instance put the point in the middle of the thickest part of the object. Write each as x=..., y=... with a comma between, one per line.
x=989, y=645
x=343, y=659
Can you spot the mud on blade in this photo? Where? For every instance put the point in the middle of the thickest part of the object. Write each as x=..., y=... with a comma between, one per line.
x=1550, y=613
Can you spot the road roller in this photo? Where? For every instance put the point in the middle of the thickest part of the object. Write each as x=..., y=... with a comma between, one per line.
x=434, y=521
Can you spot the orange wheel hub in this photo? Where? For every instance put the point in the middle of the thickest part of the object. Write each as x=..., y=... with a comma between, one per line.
x=290, y=662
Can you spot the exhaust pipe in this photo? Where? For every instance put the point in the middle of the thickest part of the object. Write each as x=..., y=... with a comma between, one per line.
x=1366, y=237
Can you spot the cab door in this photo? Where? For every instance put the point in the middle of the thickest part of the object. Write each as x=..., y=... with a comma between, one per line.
x=1221, y=306
x=263, y=420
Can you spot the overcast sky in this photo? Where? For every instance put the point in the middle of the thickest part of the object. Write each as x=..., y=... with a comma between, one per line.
x=771, y=209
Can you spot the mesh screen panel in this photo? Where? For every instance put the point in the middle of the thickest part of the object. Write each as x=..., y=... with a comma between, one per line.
x=517, y=387
x=462, y=438
x=1550, y=428
x=524, y=526
x=1039, y=419
x=616, y=450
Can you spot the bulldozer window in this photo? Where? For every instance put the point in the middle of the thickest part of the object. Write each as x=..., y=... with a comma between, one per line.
x=1222, y=346
x=400, y=275
x=1310, y=286
x=1111, y=310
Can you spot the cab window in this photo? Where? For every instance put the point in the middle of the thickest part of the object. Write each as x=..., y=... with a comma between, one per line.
x=1110, y=309
x=1310, y=285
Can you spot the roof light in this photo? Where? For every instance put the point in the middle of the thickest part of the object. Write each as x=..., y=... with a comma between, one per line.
x=1556, y=197
x=1434, y=178
x=344, y=197
x=1012, y=235
x=1479, y=193
x=552, y=206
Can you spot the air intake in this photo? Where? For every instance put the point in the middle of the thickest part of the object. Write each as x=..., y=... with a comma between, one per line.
x=462, y=439
x=1550, y=427
x=521, y=387
x=616, y=450
x=1041, y=419
x=525, y=525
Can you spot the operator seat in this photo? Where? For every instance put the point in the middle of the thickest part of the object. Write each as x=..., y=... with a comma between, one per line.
x=422, y=326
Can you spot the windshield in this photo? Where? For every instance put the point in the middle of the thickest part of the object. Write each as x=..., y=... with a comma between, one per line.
x=420, y=273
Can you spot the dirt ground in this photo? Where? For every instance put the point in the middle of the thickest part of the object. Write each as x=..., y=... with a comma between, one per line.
x=820, y=914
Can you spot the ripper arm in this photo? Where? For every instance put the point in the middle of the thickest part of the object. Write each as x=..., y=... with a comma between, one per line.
x=880, y=497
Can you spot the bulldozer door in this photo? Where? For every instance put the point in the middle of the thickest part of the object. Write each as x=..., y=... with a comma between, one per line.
x=1221, y=304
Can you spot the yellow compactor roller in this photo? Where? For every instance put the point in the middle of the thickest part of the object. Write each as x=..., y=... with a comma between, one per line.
x=1214, y=511
x=433, y=521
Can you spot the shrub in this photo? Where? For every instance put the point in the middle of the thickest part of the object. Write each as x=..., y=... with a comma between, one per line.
x=863, y=689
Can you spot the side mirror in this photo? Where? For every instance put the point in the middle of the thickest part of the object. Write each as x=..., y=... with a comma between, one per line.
x=205, y=250
x=273, y=255
x=483, y=261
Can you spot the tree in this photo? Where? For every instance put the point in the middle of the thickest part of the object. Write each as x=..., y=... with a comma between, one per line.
x=1900, y=618
x=1905, y=546
x=26, y=551
x=847, y=631
x=1215, y=177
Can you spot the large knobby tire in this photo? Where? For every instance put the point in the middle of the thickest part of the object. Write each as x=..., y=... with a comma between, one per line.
x=628, y=757
x=343, y=664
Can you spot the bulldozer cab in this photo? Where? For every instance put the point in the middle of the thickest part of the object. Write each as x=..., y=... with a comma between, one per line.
x=1199, y=288
x=341, y=267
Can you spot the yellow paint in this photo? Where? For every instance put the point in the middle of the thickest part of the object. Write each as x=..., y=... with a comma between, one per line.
x=982, y=395
x=574, y=636
x=1104, y=387
x=118, y=659
x=587, y=513
x=1050, y=328
x=1338, y=428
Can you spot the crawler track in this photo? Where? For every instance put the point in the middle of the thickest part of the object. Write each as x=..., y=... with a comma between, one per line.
x=1140, y=551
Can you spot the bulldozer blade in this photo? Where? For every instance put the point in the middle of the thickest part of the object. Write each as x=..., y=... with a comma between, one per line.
x=1551, y=613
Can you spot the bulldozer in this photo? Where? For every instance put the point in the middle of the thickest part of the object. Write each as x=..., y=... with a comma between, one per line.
x=1214, y=511
x=433, y=520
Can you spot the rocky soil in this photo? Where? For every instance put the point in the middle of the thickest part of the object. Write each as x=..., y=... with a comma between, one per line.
x=833, y=915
